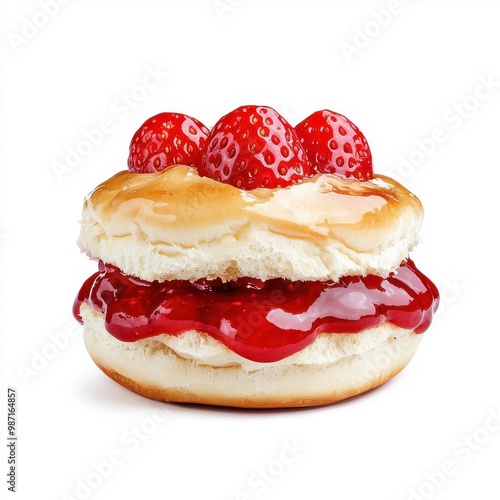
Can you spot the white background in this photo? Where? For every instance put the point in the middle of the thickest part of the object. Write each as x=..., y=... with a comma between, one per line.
x=420, y=68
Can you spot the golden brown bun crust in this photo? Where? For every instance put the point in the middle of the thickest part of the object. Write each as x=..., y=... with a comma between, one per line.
x=154, y=370
x=181, y=396
x=175, y=224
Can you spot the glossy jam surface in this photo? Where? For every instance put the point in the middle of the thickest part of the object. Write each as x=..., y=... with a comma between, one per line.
x=264, y=321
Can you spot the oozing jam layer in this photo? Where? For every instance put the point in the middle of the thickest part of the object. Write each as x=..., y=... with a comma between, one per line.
x=264, y=321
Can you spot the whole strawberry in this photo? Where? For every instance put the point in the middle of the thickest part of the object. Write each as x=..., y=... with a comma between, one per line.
x=254, y=146
x=166, y=139
x=335, y=145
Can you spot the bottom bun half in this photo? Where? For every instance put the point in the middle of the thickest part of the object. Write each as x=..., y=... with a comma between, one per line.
x=194, y=368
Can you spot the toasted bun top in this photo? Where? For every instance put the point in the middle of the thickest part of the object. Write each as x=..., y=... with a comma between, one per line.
x=175, y=224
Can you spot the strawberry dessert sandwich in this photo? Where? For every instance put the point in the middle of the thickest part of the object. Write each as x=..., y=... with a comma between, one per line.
x=255, y=264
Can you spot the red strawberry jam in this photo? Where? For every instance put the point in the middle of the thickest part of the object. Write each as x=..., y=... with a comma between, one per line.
x=263, y=321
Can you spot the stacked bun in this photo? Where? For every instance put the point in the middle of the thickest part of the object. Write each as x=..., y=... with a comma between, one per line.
x=253, y=265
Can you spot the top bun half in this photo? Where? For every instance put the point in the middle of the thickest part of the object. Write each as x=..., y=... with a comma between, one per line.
x=175, y=224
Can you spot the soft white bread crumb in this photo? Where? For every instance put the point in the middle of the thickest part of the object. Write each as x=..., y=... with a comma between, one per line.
x=198, y=369
x=177, y=225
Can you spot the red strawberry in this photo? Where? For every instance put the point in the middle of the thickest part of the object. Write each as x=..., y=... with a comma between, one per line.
x=254, y=146
x=335, y=145
x=167, y=139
